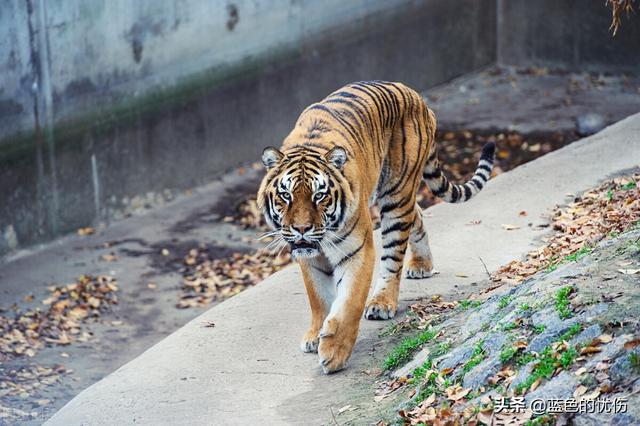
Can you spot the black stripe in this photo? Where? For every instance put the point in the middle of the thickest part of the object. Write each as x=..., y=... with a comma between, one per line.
x=385, y=257
x=395, y=243
x=433, y=175
x=484, y=167
x=398, y=226
x=467, y=192
x=353, y=253
x=478, y=182
x=420, y=239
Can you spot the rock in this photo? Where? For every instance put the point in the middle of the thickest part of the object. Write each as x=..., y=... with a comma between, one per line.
x=590, y=123
x=522, y=375
x=554, y=328
x=630, y=417
x=457, y=356
x=561, y=386
x=621, y=370
x=586, y=335
x=480, y=373
x=417, y=361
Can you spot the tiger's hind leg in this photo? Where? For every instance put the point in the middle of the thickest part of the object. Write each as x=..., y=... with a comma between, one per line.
x=420, y=263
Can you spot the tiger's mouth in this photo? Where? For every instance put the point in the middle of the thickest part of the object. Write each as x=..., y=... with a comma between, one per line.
x=304, y=249
x=298, y=245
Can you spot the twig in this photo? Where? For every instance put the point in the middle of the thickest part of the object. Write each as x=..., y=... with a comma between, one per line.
x=485, y=267
x=334, y=416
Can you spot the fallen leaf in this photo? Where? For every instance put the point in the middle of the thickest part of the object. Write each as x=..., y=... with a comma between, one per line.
x=605, y=338
x=632, y=344
x=590, y=350
x=86, y=231
x=580, y=390
x=580, y=371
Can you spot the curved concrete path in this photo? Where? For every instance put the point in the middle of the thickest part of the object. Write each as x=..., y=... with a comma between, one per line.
x=248, y=368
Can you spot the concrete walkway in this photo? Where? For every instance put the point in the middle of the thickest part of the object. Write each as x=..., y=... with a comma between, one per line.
x=248, y=368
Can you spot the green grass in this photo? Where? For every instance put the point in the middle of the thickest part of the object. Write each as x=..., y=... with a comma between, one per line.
x=466, y=304
x=509, y=326
x=579, y=254
x=610, y=195
x=628, y=186
x=511, y=354
x=539, y=328
x=504, y=302
x=507, y=354
x=419, y=372
x=477, y=356
x=573, y=257
x=634, y=360
x=547, y=362
x=428, y=387
x=547, y=365
x=524, y=358
x=562, y=302
x=543, y=420
x=571, y=332
x=403, y=352
x=524, y=307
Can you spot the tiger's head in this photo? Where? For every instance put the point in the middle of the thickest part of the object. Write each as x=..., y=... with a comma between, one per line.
x=304, y=198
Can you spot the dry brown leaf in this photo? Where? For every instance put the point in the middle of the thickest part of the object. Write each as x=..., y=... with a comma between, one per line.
x=590, y=350
x=86, y=231
x=580, y=390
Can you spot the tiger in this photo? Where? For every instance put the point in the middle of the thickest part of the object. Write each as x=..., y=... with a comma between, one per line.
x=367, y=144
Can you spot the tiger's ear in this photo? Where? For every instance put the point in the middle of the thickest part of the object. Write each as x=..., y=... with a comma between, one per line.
x=337, y=156
x=271, y=156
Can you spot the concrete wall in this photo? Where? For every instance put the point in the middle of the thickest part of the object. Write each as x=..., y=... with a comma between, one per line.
x=569, y=34
x=107, y=105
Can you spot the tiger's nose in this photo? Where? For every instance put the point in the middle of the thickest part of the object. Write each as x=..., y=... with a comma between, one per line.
x=305, y=227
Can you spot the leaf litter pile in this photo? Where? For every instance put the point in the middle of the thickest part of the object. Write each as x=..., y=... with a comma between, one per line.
x=606, y=210
x=58, y=322
x=208, y=280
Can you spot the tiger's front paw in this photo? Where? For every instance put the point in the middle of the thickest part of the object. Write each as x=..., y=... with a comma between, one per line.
x=380, y=307
x=335, y=347
x=418, y=268
x=310, y=341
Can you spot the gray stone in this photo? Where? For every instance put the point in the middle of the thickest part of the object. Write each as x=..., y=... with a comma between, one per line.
x=630, y=417
x=590, y=123
x=555, y=327
x=561, y=386
x=521, y=376
x=586, y=335
x=457, y=356
x=621, y=370
x=480, y=373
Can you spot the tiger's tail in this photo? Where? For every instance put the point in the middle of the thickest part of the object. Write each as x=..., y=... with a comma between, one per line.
x=452, y=193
